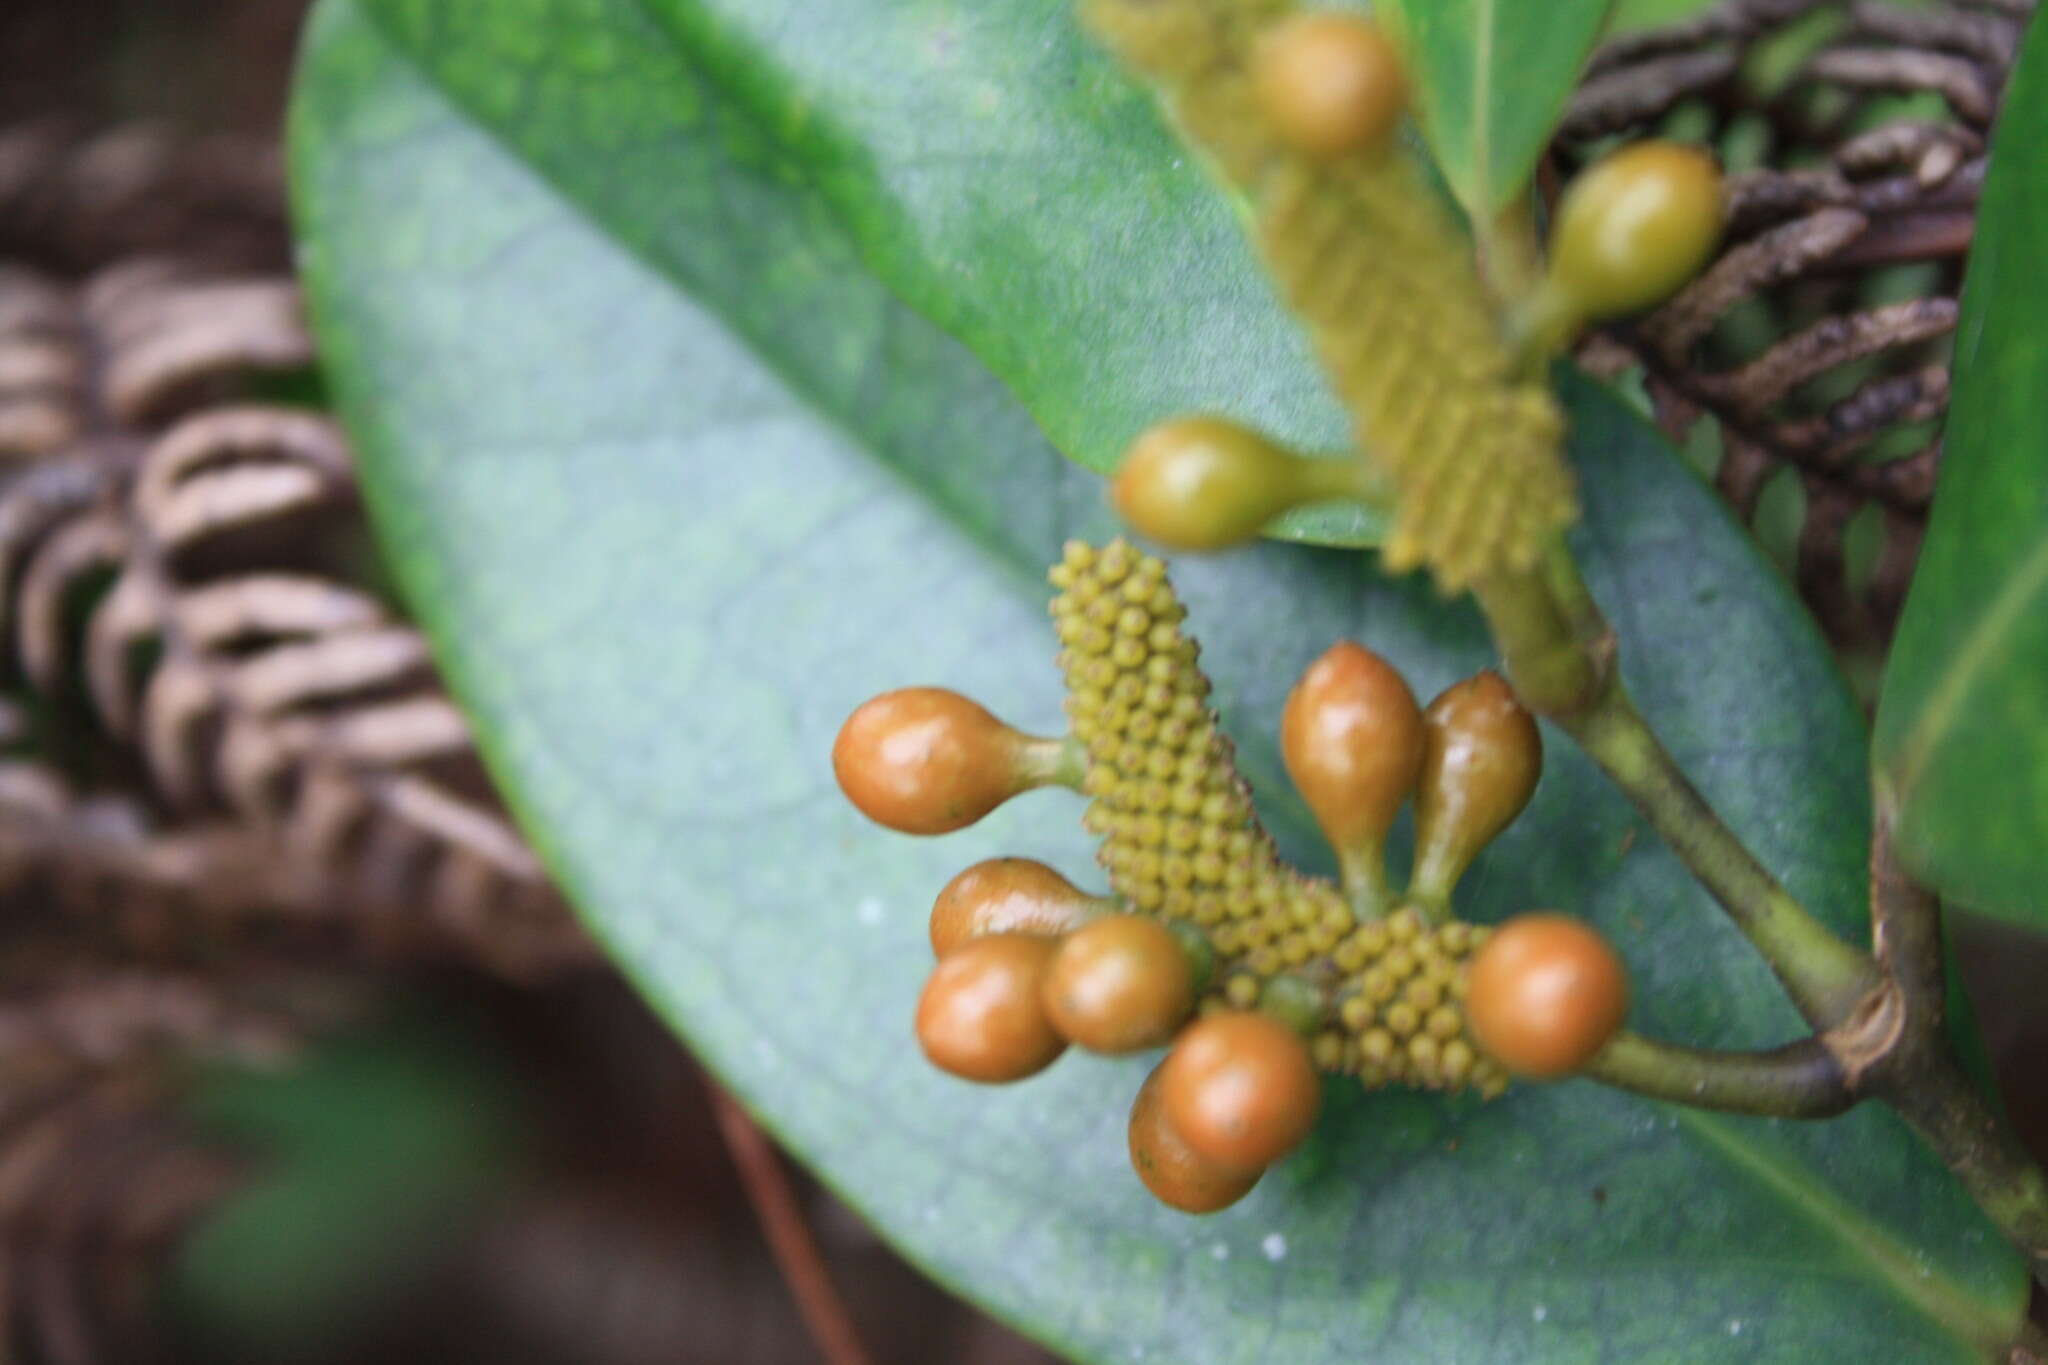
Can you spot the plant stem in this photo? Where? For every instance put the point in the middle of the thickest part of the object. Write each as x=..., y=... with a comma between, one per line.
x=1931, y=1093
x=1559, y=653
x=1911, y=1067
x=795, y=1249
x=1799, y=1081
x=1825, y=977
x=1905, y=926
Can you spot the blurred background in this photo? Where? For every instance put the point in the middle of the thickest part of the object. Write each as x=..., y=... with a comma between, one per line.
x=301, y=1058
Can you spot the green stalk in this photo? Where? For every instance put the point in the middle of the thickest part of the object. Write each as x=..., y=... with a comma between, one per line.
x=1799, y=1081
x=1559, y=653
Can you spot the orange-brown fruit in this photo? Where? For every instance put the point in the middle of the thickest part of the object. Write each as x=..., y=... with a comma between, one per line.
x=981, y=1017
x=1241, y=1089
x=1352, y=738
x=1119, y=984
x=1007, y=896
x=1480, y=760
x=1178, y=1175
x=1331, y=83
x=1546, y=993
x=923, y=760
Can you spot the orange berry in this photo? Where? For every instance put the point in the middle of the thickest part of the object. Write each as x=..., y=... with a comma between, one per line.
x=980, y=1016
x=1178, y=1175
x=1240, y=1089
x=1004, y=896
x=923, y=760
x=1119, y=984
x=1546, y=994
x=1481, y=757
x=1331, y=83
x=1351, y=736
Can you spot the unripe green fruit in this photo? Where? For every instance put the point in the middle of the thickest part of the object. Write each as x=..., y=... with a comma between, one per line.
x=1119, y=984
x=1206, y=483
x=1545, y=994
x=1178, y=1175
x=1352, y=738
x=1241, y=1089
x=1007, y=895
x=981, y=1017
x=1481, y=757
x=923, y=760
x=1331, y=83
x=1634, y=227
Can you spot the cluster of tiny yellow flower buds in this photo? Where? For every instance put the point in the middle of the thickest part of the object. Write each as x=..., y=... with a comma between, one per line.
x=1178, y=835
x=1385, y=283
x=1401, y=1007
x=1180, y=840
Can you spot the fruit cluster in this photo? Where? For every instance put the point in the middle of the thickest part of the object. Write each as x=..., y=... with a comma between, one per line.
x=1458, y=436
x=1260, y=977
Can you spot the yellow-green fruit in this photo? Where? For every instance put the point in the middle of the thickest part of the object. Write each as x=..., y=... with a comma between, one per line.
x=1006, y=895
x=1331, y=83
x=981, y=1016
x=923, y=760
x=1241, y=1089
x=1635, y=227
x=1206, y=483
x=1545, y=994
x=1480, y=760
x=1178, y=1175
x=1352, y=738
x=1119, y=984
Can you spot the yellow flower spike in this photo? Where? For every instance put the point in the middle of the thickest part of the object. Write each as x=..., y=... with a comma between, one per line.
x=1380, y=274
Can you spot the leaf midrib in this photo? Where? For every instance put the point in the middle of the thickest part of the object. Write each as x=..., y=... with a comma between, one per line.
x=1944, y=1302
x=1482, y=126
x=1944, y=706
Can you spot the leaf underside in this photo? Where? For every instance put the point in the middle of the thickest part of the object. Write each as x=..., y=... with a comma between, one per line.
x=676, y=478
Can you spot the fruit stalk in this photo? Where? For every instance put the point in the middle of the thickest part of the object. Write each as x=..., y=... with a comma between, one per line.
x=1798, y=1081
x=1542, y=622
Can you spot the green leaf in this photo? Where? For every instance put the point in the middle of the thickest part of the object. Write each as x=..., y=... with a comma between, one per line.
x=676, y=480
x=1962, y=728
x=1492, y=78
x=1629, y=15
x=1014, y=185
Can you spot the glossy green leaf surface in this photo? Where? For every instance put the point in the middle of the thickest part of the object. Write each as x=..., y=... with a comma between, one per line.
x=1492, y=77
x=1962, y=727
x=949, y=137
x=676, y=479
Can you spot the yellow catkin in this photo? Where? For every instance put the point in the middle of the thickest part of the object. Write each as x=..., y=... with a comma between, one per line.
x=1180, y=840
x=1382, y=277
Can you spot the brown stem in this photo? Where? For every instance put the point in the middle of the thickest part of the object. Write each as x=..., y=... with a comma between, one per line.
x=1899, y=1052
x=796, y=1253
x=1934, y=1096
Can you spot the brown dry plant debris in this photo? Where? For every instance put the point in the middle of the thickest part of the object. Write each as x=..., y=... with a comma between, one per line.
x=76, y=198
x=99, y=1173
x=176, y=566
x=1818, y=342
